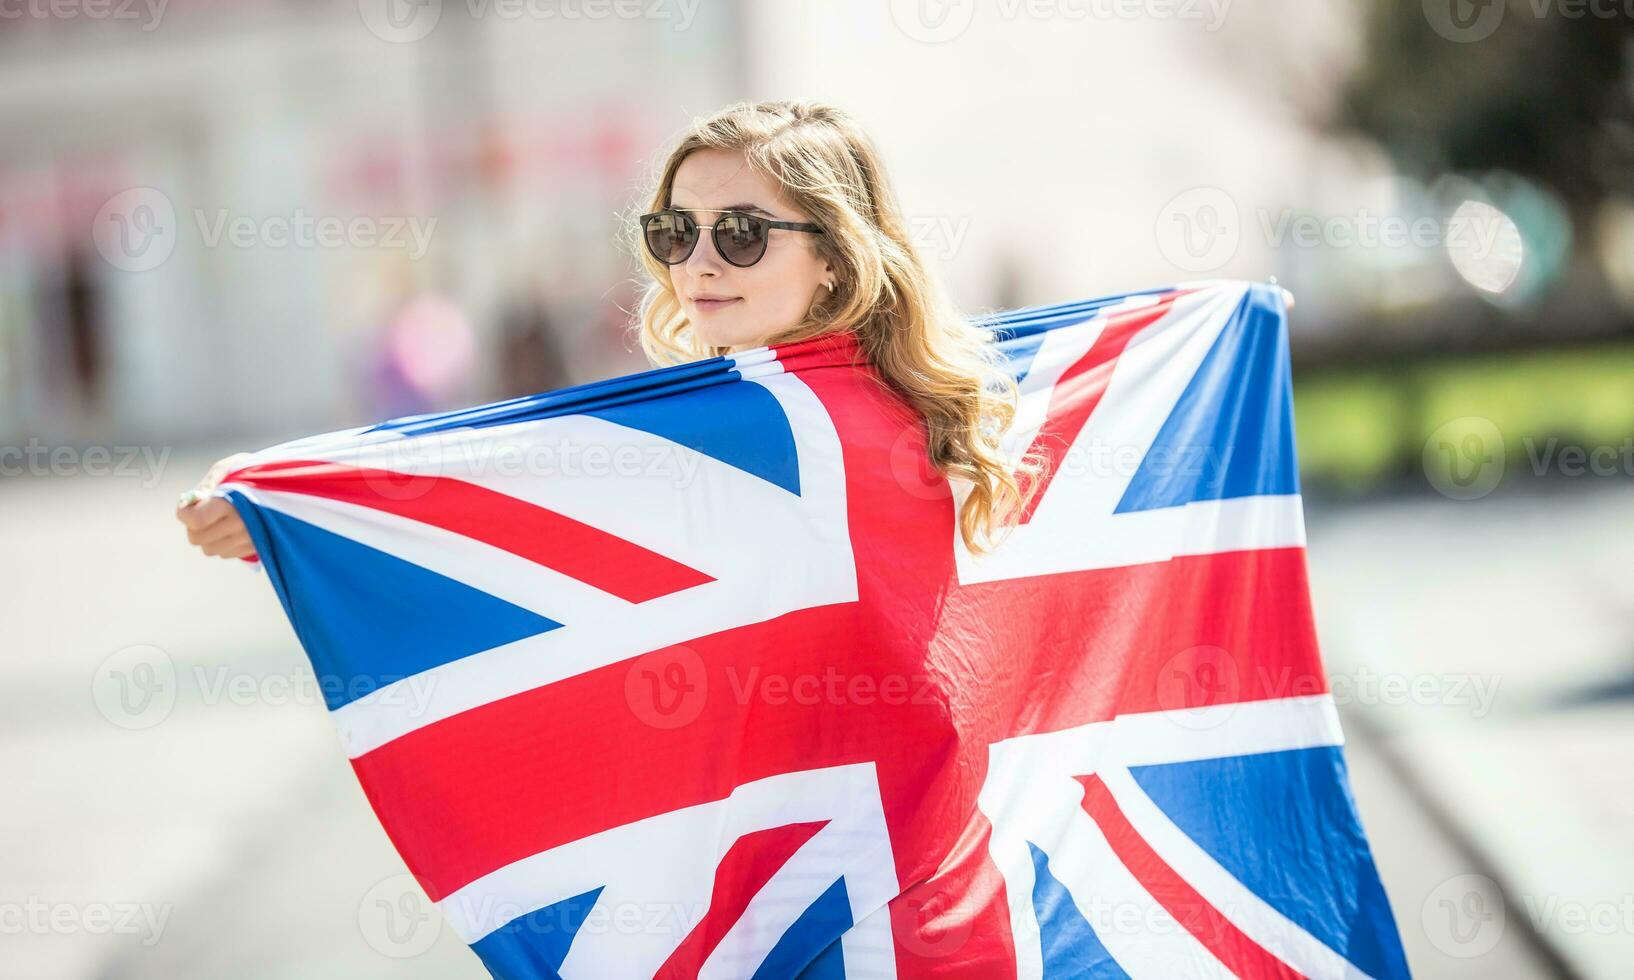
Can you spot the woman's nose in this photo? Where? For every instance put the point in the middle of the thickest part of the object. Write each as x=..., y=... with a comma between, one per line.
x=704, y=258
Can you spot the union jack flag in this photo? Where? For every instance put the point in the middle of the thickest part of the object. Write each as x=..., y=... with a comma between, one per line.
x=690, y=673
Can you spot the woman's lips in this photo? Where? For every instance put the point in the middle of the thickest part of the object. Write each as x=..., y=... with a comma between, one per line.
x=711, y=305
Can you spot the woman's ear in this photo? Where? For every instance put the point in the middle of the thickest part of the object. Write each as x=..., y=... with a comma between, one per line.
x=830, y=277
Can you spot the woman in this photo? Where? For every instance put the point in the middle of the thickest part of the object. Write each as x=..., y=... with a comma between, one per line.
x=807, y=239
x=773, y=223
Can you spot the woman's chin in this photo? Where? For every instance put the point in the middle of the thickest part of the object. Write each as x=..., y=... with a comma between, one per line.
x=737, y=339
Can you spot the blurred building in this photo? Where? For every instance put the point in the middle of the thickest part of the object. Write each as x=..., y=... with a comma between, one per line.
x=206, y=213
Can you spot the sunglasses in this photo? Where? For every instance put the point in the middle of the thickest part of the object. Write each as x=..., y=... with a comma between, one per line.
x=740, y=237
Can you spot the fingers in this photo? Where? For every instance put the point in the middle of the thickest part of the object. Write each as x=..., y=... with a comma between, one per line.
x=234, y=545
x=202, y=514
x=226, y=538
x=215, y=528
x=223, y=528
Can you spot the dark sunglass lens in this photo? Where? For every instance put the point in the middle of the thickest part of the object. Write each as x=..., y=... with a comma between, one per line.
x=741, y=238
x=670, y=236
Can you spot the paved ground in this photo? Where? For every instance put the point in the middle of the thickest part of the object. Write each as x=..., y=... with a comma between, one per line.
x=228, y=818
x=222, y=818
x=1486, y=649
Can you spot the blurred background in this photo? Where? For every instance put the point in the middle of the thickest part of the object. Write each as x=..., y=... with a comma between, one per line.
x=226, y=224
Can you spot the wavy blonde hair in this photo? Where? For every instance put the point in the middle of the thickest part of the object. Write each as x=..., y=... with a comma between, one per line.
x=944, y=366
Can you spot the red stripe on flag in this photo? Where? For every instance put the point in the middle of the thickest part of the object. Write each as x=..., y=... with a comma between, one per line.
x=743, y=872
x=1079, y=390
x=1230, y=945
x=543, y=536
x=951, y=917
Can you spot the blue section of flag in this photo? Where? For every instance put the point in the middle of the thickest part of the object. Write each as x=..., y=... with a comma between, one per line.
x=1232, y=432
x=1070, y=947
x=741, y=424
x=367, y=618
x=1317, y=870
x=829, y=964
x=810, y=949
x=534, y=945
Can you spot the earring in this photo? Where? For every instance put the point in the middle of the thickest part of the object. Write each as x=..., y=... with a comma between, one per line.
x=829, y=286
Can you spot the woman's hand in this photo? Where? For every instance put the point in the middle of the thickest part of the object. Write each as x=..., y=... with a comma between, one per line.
x=213, y=523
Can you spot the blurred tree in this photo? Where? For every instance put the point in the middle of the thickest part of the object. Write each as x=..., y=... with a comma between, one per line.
x=1543, y=88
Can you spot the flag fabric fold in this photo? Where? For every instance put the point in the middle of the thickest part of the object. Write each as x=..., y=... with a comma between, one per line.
x=689, y=672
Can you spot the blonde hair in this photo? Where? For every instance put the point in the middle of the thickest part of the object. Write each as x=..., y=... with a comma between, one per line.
x=944, y=366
